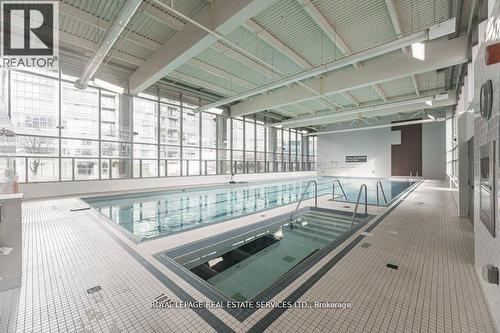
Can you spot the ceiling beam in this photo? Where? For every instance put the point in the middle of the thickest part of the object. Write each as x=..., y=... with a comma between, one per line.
x=288, y=52
x=330, y=32
x=415, y=84
x=378, y=89
x=179, y=76
x=231, y=78
x=268, y=73
x=363, y=128
x=191, y=80
x=276, y=43
x=324, y=25
x=393, y=13
x=303, y=78
x=393, y=66
x=191, y=40
x=350, y=98
x=152, y=11
x=457, y=14
x=396, y=23
x=400, y=104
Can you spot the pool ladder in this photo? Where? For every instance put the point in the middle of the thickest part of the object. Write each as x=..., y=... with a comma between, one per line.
x=379, y=186
x=341, y=188
x=363, y=186
x=315, y=182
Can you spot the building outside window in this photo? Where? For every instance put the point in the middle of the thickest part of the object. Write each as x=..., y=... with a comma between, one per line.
x=98, y=134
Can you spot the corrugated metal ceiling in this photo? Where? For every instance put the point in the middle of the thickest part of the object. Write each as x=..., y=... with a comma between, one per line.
x=361, y=24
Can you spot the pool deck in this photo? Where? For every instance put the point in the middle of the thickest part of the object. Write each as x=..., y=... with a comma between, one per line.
x=434, y=289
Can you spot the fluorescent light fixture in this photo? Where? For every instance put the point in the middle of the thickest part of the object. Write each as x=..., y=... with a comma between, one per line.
x=215, y=110
x=429, y=102
x=108, y=86
x=418, y=51
x=278, y=126
x=430, y=116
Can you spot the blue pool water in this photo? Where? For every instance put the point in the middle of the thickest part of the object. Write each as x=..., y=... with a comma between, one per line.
x=153, y=214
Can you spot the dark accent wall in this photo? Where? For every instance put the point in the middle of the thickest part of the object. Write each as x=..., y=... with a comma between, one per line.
x=406, y=157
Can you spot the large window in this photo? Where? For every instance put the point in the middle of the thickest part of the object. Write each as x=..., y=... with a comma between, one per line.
x=115, y=117
x=170, y=124
x=79, y=112
x=34, y=104
x=68, y=134
x=145, y=120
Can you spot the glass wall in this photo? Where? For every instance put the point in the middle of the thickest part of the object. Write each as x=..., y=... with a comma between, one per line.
x=67, y=134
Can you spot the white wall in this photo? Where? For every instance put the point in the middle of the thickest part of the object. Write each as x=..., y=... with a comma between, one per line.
x=375, y=143
x=55, y=189
x=487, y=247
x=434, y=150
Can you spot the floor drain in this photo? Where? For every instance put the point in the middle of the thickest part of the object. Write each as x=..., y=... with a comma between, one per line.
x=93, y=290
x=346, y=206
x=419, y=203
x=391, y=266
x=365, y=245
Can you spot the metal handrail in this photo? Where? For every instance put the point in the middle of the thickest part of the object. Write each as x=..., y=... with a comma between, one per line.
x=315, y=182
x=357, y=203
x=341, y=188
x=383, y=193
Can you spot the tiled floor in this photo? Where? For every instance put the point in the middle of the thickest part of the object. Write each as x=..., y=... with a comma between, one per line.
x=435, y=288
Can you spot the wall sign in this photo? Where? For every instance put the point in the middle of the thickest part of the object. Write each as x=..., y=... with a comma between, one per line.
x=355, y=158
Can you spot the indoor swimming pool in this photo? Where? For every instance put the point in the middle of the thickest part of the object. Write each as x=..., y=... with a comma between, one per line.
x=153, y=214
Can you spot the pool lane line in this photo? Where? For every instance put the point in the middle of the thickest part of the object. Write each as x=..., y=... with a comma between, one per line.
x=138, y=240
x=217, y=324
x=275, y=313
x=192, y=188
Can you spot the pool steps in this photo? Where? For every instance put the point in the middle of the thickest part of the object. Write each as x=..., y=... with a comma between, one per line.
x=322, y=226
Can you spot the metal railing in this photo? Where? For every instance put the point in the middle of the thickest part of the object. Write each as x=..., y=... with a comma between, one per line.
x=413, y=179
x=315, y=182
x=357, y=203
x=341, y=188
x=383, y=193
